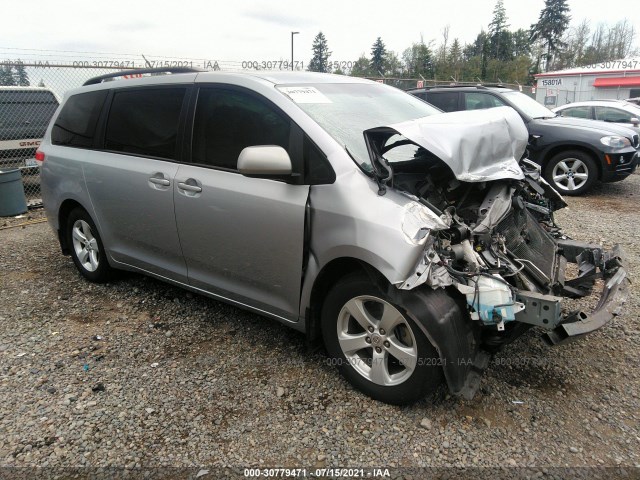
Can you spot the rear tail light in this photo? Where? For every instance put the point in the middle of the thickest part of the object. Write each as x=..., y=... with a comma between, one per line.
x=39, y=157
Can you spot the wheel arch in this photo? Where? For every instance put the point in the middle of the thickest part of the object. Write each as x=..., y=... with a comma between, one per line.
x=556, y=149
x=325, y=279
x=63, y=214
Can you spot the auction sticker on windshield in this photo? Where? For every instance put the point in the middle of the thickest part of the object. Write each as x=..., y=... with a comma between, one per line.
x=304, y=94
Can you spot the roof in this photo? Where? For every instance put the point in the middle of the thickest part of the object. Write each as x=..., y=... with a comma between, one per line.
x=26, y=89
x=624, y=66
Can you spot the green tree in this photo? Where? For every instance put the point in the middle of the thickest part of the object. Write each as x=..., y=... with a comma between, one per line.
x=320, y=60
x=378, y=53
x=361, y=67
x=41, y=83
x=455, y=58
x=21, y=76
x=392, y=64
x=418, y=60
x=549, y=30
x=499, y=36
x=6, y=76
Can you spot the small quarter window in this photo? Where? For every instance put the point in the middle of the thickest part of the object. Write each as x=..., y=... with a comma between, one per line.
x=76, y=124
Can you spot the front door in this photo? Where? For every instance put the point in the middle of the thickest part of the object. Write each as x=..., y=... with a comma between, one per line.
x=242, y=238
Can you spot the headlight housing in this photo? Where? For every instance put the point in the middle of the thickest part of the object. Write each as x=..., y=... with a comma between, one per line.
x=615, y=141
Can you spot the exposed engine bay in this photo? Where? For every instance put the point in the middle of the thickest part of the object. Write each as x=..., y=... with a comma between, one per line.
x=493, y=237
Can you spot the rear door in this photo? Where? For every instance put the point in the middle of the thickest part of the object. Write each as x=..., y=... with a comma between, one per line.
x=130, y=178
x=242, y=238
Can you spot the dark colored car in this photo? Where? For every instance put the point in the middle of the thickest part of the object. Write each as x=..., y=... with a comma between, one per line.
x=572, y=152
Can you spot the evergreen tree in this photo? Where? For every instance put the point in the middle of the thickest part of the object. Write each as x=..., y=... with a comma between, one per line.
x=498, y=33
x=21, y=76
x=378, y=53
x=392, y=64
x=552, y=23
x=321, y=54
x=6, y=76
x=418, y=60
x=455, y=58
x=41, y=83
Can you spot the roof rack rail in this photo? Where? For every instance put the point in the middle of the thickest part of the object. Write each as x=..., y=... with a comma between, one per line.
x=138, y=71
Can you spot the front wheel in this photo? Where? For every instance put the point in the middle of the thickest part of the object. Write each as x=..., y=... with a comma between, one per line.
x=376, y=345
x=86, y=247
x=571, y=172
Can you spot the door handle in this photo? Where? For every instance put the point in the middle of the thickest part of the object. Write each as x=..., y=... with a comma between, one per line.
x=189, y=188
x=160, y=181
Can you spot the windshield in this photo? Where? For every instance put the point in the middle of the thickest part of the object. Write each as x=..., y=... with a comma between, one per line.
x=528, y=105
x=346, y=110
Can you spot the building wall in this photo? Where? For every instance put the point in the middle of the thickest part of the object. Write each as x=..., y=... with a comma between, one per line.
x=577, y=88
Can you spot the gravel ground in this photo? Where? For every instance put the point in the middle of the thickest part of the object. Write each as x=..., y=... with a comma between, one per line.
x=139, y=373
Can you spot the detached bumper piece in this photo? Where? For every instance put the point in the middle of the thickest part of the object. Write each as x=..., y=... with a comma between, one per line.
x=593, y=262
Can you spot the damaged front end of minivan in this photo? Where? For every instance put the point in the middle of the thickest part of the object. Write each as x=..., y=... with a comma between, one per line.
x=486, y=219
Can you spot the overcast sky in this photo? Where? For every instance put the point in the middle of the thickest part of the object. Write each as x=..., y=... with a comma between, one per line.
x=254, y=30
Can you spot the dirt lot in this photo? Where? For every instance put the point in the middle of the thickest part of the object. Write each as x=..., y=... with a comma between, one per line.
x=138, y=373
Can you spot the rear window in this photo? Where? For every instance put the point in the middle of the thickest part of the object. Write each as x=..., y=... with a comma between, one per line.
x=76, y=124
x=26, y=109
x=27, y=96
x=145, y=122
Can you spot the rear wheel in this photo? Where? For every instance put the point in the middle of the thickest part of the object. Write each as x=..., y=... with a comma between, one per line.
x=571, y=172
x=86, y=247
x=376, y=345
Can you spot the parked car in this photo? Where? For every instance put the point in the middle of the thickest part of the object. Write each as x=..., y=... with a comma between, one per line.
x=635, y=100
x=619, y=112
x=405, y=240
x=25, y=113
x=573, y=153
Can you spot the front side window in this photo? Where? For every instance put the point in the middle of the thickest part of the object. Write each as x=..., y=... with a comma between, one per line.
x=228, y=121
x=145, y=122
x=76, y=124
x=576, y=112
x=613, y=115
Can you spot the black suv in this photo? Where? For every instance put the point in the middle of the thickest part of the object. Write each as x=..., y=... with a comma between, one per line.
x=573, y=153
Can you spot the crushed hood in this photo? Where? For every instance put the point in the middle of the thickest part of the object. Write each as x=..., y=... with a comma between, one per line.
x=478, y=145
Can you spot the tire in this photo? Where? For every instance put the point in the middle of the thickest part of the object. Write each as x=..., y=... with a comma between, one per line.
x=86, y=247
x=571, y=172
x=353, y=303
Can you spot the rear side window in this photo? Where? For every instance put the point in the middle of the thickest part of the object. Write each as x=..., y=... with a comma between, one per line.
x=478, y=101
x=446, y=101
x=76, y=124
x=228, y=121
x=145, y=122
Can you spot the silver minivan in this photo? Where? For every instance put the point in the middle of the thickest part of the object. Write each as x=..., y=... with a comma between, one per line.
x=411, y=242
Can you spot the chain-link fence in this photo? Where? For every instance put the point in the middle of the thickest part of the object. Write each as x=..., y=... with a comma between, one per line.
x=31, y=91
x=29, y=96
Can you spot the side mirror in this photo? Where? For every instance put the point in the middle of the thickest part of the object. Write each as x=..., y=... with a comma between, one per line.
x=635, y=122
x=264, y=161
